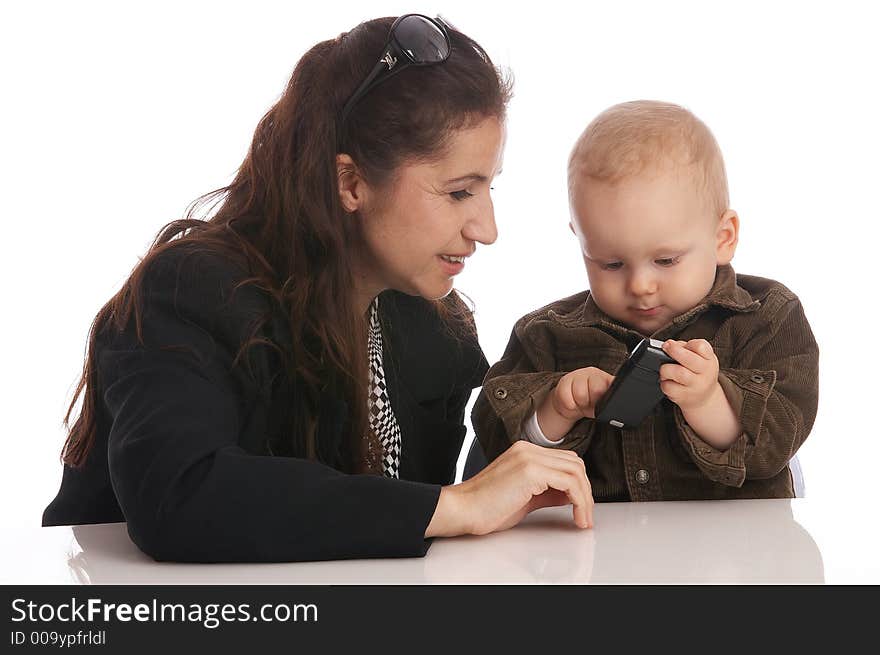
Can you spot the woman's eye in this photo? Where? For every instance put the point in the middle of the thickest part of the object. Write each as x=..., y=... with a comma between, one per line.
x=613, y=266
x=461, y=195
x=667, y=261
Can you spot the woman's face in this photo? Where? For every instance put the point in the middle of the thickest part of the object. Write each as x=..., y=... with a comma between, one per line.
x=419, y=230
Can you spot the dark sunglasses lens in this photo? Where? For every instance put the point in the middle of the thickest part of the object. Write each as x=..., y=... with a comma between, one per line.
x=423, y=42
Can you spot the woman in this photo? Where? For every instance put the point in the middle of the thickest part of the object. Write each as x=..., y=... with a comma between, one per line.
x=287, y=380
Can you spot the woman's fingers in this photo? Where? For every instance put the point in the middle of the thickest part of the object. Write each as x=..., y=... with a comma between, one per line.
x=523, y=478
x=564, y=471
x=581, y=498
x=550, y=498
x=527, y=477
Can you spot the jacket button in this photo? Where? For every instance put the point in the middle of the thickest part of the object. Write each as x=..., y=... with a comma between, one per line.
x=642, y=476
x=501, y=393
x=757, y=379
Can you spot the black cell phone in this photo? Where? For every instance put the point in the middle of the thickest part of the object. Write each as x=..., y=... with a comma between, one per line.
x=636, y=387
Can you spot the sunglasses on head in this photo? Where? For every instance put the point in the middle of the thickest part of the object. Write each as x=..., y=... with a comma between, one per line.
x=414, y=40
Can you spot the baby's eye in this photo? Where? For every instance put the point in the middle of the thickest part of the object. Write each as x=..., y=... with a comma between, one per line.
x=667, y=261
x=461, y=195
x=613, y=266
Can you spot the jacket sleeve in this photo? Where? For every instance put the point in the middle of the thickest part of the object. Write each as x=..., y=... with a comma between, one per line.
x=514, y=388
x=773, y=388
x=188, y=490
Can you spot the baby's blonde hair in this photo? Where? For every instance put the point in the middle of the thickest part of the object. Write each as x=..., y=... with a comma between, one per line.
x=632, y=137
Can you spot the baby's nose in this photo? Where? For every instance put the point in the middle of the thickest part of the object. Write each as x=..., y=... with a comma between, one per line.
x=642, y=284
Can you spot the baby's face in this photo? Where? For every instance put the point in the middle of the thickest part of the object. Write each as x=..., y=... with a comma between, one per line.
x=650, y=244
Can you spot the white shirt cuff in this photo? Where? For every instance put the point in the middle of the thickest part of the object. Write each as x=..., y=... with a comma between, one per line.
x=532, y=432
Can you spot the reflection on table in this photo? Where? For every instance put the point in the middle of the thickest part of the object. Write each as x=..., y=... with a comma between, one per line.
x=745, y=541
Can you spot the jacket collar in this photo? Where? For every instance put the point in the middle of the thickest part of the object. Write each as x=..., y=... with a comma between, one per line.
x=725, y=293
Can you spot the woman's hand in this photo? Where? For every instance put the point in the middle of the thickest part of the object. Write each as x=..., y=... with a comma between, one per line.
x=523, y=478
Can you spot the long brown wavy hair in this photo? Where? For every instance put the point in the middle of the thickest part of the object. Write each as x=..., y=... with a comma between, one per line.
x=281, y=218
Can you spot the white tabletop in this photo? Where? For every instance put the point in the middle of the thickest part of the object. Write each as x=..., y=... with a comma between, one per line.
x=757, y=541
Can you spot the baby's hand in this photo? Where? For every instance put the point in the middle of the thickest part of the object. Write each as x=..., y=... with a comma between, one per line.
x=577, y=393
x=691, y=382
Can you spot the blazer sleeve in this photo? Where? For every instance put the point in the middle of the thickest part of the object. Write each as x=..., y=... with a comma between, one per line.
x=188, y=490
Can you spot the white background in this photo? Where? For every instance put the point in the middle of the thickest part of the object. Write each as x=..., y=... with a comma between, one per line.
x=115, y=117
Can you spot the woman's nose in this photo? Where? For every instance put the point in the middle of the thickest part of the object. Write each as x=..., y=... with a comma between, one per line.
x=481, y=228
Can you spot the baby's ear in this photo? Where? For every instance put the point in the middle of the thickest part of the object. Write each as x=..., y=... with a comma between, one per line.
x=726, y=237
x=571, y=227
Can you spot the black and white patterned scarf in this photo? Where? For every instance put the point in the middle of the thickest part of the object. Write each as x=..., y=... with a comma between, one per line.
x=381, y=416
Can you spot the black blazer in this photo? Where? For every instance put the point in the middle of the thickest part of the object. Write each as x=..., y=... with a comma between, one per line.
x=184, y=451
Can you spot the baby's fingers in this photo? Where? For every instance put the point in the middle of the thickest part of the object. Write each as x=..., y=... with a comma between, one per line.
x=563, y=396
x=701, y=347
x=676, y=373
x=580, y=391
x=599, y=385
x=685, y=357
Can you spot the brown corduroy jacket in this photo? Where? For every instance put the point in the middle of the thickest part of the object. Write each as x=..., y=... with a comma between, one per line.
x=768, y=370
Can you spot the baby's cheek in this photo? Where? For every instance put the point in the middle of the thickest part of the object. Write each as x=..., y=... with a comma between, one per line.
x=603, y=299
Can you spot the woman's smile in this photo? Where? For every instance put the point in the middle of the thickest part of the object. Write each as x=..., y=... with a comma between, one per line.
x=452, y=264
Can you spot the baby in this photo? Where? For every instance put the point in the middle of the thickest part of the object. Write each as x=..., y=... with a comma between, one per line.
x=649, y=207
